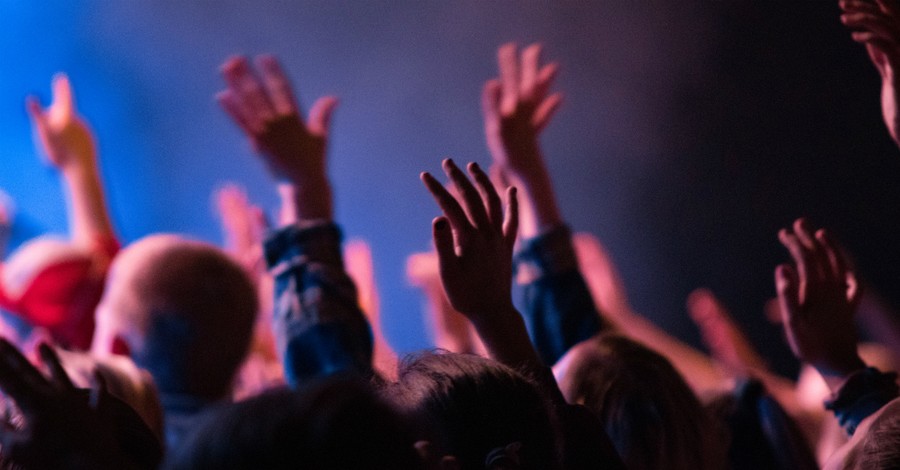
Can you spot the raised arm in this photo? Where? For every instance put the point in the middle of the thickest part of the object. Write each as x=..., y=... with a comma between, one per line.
x=818, y=295
x=69, y=145
x=876, y=24
x=474, y=242
x=516, y=107
x=319, y=327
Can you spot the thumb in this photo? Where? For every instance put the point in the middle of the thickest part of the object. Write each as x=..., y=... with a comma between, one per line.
x=320, y=115
x=786, y=286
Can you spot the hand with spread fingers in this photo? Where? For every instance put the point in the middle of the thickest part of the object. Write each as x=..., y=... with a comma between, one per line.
x=516, y=108
x=818, y=295
x=64, y=135
x=59, y=428
x=261, y=102
x=876, y=24
x=474, y=242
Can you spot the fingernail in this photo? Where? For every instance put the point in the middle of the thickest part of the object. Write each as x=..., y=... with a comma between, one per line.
x=441, y=224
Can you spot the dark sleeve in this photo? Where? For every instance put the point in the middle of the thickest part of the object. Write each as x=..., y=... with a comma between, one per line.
x=559, y=311
x=864, y=393
x=320, y=329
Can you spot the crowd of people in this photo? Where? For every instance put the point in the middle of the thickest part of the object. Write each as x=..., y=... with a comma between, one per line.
x=268, y=352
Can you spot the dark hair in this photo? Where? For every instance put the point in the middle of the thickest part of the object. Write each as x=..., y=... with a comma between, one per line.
x=469, y=407
x=880, y=448
x=336, y=423
x=652, y=417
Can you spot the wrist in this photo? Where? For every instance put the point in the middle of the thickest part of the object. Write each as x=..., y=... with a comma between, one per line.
x=836, y=371
x=305, y=202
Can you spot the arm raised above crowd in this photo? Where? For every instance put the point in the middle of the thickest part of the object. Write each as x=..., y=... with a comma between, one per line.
x=69, y=145
x=319, y=326
x=263, y=105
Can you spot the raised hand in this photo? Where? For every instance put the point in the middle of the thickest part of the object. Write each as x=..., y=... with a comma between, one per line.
x=516, y=107
x=474, y=242
x=263, y=105
x=876, y=24
x=818, y=295
x=64, y=136
x=55, y=416
x=243, y=226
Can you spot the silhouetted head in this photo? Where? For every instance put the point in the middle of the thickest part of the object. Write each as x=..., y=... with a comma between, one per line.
x=183, y=310
x=476, y=410
x=651, y=415
x=336, y=424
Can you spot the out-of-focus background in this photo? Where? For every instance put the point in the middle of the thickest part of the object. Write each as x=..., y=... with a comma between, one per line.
x=691, y=130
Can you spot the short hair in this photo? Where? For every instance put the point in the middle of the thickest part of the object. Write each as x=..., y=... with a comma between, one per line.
x=880, y=448
x=186, y=311
x=647, y=409
x=334, y=423
x=469, y=406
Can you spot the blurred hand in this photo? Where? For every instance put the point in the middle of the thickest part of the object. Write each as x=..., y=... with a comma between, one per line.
x=818, y=295
x=876, y=24
x=59, y=428
x=243, y=226
x=264, y=107
x=517, y=106
x=63, y=135
x=474, y=243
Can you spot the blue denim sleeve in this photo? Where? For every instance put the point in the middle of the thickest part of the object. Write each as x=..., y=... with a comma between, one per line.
x=559, y=310
x=320, y=329
x=864, y=393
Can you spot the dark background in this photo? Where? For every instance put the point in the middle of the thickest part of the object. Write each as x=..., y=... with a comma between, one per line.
x=691, y=131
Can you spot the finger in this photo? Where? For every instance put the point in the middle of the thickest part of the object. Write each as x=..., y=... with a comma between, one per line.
x=787, y=288
x=454, y=212
x=817, y=261
x=98, y=389
x=443, y=242
x=531, y=58
x=799, y=254
x=58, y=375
x=320, y=115
x=37, y=114
x=245, y=120
x=870, y=22
x=63, y=98
x=472, y=203
x=511, y=222
x=21, y=380
x=509, y=76
x=545, y=79
x=491, y=94
x=281, y=93
x=489, y=196
x=835, y=258
x=545, y=111
x=889, y=8
x=854, y=6
x=247, y=88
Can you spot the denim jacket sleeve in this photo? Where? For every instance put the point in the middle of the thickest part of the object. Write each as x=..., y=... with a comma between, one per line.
x=558, y=310
x=320, y=329
x=862, y=394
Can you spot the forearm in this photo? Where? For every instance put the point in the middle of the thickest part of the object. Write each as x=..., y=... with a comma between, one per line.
x=538, y=209
x=319, y=327
x=304, y=202
x=506, y=340
x=559, y=308
x=87, y=210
